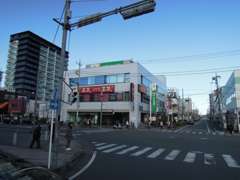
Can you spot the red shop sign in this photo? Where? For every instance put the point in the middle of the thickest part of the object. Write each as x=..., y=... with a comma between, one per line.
x=97, y=89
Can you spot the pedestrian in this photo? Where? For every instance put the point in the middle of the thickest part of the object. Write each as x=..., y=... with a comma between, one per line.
x=36, y=136
x=68, y=136
x=161, y=124
x=127, y=124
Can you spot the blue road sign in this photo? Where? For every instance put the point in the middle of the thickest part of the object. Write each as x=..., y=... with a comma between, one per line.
x=54, y=100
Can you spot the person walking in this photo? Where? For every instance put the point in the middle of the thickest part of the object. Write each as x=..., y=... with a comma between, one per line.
x=36, y=136
x=127, y=124
x=68, y=136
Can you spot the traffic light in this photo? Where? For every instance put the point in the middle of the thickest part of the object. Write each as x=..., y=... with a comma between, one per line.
x=74, y=97
x=137, y=9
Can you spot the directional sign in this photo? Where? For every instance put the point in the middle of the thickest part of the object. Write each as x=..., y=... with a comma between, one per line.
x=54, y=100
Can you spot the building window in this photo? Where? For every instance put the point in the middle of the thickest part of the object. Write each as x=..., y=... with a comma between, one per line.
x=112, y=97
x=111, y=79
x=127, y=77
x=99, y=80
x=83, y=81
x=126, y=96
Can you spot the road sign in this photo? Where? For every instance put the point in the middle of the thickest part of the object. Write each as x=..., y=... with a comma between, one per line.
x=54, y=101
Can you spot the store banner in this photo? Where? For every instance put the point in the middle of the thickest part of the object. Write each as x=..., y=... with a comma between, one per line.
x=154, y=98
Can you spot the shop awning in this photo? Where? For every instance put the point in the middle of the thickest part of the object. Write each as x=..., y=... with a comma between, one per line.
x=3, y=105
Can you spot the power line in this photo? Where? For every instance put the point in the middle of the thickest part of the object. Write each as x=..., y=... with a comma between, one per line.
x=57, y=29
x=202, y=56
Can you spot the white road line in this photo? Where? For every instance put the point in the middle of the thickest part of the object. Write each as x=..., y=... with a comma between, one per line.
x=127, y=150
x=188, y=132
x=230, y=161
x=84, y=168
x=138, y=153
x=156, y=153
x=94, y=142
x=190, y=157
x=100, y=144
x=209, y=159
x=193, y=132
x=105, y=147
x=213, y=133
x=182, y=128
x=114, y=149
x=199, y=132
x=172, y=155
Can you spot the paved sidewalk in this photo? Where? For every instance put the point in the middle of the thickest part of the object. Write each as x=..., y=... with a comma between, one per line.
x=39, y=157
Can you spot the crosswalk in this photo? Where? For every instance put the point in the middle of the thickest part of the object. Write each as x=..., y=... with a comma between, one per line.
x=195, y=132
x=165, y=154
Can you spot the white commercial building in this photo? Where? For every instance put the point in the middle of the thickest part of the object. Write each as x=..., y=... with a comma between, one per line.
x=118, y=89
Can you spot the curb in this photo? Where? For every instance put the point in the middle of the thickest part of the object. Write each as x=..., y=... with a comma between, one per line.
x=79, y=160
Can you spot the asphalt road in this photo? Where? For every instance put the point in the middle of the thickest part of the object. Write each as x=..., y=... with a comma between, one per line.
x=193, y=152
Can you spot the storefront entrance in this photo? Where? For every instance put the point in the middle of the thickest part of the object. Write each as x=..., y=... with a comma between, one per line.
x=92, y=119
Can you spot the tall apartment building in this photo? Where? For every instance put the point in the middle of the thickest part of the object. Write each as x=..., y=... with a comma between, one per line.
x=34, y=66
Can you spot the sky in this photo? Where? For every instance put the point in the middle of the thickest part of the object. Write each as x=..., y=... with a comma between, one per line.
x=179, y=36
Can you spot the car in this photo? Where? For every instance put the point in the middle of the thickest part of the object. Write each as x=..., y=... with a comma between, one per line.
x=191, y=122
x=12, y=168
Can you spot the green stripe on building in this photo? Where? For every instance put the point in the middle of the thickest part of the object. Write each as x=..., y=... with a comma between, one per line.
x=111, y=63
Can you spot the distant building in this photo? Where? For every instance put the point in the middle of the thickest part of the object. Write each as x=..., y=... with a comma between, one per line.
x=231, y=92
x=34, y=67
x=120, y=89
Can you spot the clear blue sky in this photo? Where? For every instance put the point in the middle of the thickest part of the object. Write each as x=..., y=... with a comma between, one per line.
x=176, y=28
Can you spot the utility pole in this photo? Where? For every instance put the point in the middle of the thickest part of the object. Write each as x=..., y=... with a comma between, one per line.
x=78, y=91
x=150, y=103
x=101, y=97
x=182, y=104
x=215, y=78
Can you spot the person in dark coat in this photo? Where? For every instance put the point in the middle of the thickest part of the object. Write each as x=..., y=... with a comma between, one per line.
x=36, y=136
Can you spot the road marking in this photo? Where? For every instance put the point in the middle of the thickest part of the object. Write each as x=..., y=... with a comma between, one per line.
x=100, y=144
x=84, y=168
x=213, y=133
x=193, y=132
x=138, y=153
x=114, y=149
x=203, y=138
x=190, y=157
x=172, y=155
x=230, y=161
x=199, y=132
x=188, y=131
x=209, y=159
x=105, y=147
x=94, y=142
x=156, y=153
x=127, y=150
x=182, y=128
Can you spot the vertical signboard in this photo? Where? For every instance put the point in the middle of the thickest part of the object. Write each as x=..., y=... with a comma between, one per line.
x=154, y=98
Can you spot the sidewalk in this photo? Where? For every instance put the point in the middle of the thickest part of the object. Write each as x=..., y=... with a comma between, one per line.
x=39, y=157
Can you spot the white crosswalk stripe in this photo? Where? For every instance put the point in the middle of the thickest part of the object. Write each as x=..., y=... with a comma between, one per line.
x=172, y=155
x=156, y=153
x=209, y=159
x=190, y=157
x=138, y=153
x=230, y=161
x=115, y=149
x=105, y=147
x=100, y=144
x=127, y=150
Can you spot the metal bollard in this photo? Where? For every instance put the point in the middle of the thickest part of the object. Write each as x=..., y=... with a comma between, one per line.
x=14, y=142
